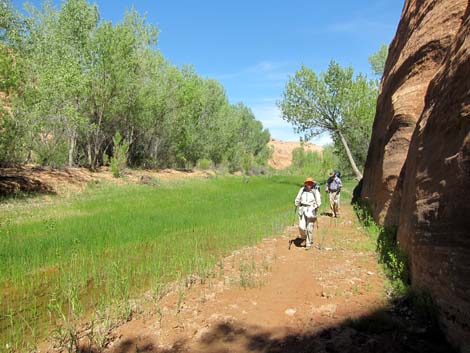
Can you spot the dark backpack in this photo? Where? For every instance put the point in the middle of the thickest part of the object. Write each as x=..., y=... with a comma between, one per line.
x=337, y=173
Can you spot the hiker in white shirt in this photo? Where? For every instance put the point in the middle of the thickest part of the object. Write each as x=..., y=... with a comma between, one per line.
x=308, y=201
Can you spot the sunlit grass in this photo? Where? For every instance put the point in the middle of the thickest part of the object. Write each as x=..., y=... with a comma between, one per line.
x=112, y=242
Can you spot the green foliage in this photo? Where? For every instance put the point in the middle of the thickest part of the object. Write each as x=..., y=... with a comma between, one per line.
x=310, y=163
x=8, y=69
x=118, y=161
x=113, y=243
x=391, y=256
x=204, y=164
x=357, y=123
x=11, y=128
x=334, y=101
x=11, y=139
x=378, y=59
x=394, y=259
x=50, y=150
x=83, y=78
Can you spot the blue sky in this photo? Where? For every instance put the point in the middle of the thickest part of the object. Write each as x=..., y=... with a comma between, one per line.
x=252, y=47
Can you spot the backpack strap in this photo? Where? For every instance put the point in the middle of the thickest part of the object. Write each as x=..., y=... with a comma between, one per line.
x=315, y=197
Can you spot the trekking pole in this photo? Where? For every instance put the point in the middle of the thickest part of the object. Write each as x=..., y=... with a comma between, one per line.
x=322, y=238
x=295, y=214
x=293, y=223
x=320, y=244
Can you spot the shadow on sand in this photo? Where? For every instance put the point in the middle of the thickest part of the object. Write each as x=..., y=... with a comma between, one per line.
x=393, y=330
x=19, y=185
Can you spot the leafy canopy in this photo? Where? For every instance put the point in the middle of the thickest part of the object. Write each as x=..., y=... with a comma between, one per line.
x=335, y=101
x=377, y=60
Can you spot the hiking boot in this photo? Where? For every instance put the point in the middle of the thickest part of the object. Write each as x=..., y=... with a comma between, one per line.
x=307, y=247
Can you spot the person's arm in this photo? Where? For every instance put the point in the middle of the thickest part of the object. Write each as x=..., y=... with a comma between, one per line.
x=298, y=198
x=317, y=198
x=340, y=184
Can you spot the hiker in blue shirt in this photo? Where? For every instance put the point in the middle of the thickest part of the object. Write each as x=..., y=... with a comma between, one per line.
x=333, y=187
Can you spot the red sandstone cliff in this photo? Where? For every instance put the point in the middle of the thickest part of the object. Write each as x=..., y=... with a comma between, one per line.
x=425, y=33
x=418, y=166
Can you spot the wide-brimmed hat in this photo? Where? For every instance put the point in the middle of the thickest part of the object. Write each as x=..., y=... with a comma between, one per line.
x=308, y=180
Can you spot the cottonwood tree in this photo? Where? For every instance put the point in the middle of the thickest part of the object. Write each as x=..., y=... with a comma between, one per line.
x=377, y=60
x=54, y=57
x=334, y=101
x=83, y=80
x=10, y=25
x=11, y=130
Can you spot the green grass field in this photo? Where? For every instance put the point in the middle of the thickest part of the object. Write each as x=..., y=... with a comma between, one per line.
x=112, y=243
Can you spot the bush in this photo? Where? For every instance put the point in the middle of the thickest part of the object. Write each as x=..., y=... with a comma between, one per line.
x=204, y=164
x=312, y=163
x=391, y=256
x=119, y=159
x=51, y=151
x=264, y=155
x=394, y=260
x=11, y=139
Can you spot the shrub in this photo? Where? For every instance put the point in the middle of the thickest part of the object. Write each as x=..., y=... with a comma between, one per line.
x=391, y=256
x=204, y=164
x=312, y=163
x=11, y=139
x=119, y=158
x=50, y=150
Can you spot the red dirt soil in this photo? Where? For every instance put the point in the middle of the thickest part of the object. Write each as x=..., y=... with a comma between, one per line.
x=68, y=181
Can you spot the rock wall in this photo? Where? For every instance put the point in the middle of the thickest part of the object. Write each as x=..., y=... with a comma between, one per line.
x=417, y=174
x=424, y=35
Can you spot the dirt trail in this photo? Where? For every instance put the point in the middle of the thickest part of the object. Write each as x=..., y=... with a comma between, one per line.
x=268, y=298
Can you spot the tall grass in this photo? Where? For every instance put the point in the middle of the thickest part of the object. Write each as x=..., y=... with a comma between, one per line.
x=393, y=259
x=113, y=242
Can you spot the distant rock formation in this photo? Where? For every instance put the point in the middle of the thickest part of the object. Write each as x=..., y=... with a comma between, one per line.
x=282, y=152
x=417, y=174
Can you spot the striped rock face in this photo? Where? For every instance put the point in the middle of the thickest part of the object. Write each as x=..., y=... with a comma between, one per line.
x=418, y=166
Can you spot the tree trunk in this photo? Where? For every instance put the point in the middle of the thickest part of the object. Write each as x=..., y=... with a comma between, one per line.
x=72, y=143
x=88, y=148
x=351, y=159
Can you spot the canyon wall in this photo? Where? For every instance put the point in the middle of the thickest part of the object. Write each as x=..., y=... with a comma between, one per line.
x=417, y=174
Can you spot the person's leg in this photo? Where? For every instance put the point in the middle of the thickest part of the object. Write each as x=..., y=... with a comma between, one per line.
x=332, y=203
x=309, y=240
x=302, y=226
